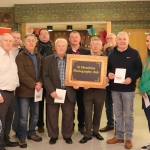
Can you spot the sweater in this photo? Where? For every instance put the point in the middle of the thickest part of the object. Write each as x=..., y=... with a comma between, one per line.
x=129, y=60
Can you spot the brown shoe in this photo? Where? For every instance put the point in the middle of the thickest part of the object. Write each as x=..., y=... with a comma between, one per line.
x=35, y=138
x=128, y=144
x=40, y=129
x=22, y=143
x=115, y=140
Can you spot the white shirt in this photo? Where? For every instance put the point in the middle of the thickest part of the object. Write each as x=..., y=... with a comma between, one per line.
x=15, y=52
x=8, y=71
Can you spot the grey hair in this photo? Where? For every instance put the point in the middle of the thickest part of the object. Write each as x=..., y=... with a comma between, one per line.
x=95, y=39
x=61, y=39
x=122, y=32
x=3, y=35
x=114, y=35
x=30, y=34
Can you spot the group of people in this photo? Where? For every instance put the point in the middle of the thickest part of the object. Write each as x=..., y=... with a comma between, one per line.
x=22, y=71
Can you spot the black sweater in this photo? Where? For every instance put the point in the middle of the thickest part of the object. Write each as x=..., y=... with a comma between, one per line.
x=129, y=60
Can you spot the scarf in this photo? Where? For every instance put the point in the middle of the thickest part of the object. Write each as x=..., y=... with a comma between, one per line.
x=45, y=49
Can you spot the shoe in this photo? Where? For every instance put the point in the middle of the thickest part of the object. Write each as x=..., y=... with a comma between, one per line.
x=85, y=139
x=22, y=143
x=115, y=140
x=81, y=130
x=40, y=129
x=35, y=138
x=68, y=140
x=128, y=144
x=98, y=136
x=53, y=140
x=11, y=144
x=105, y=129
x=147, y=147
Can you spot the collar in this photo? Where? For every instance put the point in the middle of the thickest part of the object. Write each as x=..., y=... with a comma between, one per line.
x=56, y=56
x=96, y=55
x=2, y=51
x=123, y=50
x=35, y=52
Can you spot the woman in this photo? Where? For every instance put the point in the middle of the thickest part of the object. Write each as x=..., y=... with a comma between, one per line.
x=144, y=87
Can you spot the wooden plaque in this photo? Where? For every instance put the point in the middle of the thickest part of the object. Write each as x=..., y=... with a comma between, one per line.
x=83, y=70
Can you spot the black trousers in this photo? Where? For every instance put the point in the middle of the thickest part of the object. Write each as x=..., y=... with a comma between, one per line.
x=147, y=112
x=81, y=111
x=6, y=116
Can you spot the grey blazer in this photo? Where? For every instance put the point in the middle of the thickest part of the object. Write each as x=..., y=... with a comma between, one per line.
x=51, y=79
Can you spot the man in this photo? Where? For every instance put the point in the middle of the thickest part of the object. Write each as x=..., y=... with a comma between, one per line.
x=124, y=57
x=45, y=49
x=54, y=67
x=111, y=43
x=8, y=83
x=16, y=49
x=29, y=64
x=93, y=100
x=75, y=48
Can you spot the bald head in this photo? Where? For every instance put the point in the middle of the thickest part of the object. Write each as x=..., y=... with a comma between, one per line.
x=6, y=42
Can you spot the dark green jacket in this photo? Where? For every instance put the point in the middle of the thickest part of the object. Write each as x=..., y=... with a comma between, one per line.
x=144, y=84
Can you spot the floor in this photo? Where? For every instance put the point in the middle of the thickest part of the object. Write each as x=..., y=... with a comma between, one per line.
x=140, y=136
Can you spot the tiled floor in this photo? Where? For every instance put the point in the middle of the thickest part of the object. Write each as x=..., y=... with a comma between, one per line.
x=140, y=136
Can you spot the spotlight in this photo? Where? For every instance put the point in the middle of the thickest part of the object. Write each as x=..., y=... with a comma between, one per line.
x=50, y=28
x=89, y=26
x=69, y=28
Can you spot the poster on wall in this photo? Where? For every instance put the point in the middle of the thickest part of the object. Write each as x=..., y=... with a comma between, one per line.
x=4, y=30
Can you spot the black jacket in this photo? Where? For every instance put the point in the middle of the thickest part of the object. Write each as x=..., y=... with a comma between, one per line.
x=83, y=51
x=129, y=60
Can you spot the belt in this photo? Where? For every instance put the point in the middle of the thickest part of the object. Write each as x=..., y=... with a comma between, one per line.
x=7, y=91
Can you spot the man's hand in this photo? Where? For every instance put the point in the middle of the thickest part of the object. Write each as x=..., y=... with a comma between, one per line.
x=107, y=79
x=127, y=81
x=86, y=87
x=54, y=95
x=76, y=87
x=111, y=75
x=38, y=86
x=1, y=99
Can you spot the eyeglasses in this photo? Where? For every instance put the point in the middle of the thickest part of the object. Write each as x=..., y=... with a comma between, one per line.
x=109, y=38
x=95, y=44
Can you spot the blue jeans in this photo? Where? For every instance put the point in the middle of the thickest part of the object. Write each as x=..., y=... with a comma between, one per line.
x=109, y=109
x=15, y=124
x=24, y=104
x=123, y=109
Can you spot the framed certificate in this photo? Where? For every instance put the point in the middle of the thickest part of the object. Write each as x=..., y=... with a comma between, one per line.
x=83, y=70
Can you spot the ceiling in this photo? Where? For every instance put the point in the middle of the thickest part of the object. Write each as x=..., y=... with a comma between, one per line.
x=11, y=3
